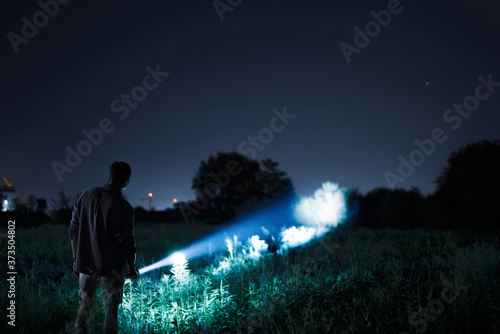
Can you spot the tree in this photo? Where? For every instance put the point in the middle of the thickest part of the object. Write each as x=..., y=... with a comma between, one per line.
x=18, y=206
x=468, y=189
x=61, y=208
x=476, y=164
x=41, y=205
x=394, y=208
x=226, y=181
x=62, y=202
x=274, y=180
x=31, y=202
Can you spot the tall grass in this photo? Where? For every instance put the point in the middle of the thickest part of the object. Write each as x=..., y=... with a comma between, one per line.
x=350, y=281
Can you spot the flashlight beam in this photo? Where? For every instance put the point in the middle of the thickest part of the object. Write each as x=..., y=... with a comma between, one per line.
x=319, y=213
x=278, y=213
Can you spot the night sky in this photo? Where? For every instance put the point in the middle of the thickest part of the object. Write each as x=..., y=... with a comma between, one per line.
x=348, y=122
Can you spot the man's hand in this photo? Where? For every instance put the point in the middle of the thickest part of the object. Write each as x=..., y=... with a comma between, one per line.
x=77, y=274
x=133, y=273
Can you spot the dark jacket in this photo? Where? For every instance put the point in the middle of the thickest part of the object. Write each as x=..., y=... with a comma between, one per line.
x=103, y=224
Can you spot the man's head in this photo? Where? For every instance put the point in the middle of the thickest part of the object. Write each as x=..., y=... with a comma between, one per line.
x=119, y=174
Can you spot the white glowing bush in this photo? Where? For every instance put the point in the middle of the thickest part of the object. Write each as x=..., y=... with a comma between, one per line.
x=257, y=246
x=229, y=243
x=293, y=237
x=180, y=270
x=326, y=208
x=224, y=267
x=179, y=258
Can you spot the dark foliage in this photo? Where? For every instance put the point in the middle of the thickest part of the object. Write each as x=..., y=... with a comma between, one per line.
x=170, y=215
x=61, y=209
x=24, y=218
x=63, y=202
x=467, y=196
x=392, y=208
x=228, y=183
x=41, y=205
x=468, y=190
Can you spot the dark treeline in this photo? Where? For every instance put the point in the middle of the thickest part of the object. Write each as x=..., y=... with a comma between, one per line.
x=229, y=184
x=36, y=211
x=467, y=196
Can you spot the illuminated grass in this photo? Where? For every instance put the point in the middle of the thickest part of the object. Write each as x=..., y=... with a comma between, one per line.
x=350, y=281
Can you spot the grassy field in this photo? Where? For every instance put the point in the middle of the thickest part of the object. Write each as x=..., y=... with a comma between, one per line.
x=350, y=281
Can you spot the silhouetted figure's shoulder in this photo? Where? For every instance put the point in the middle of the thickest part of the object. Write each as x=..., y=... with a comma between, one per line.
x=105, y=192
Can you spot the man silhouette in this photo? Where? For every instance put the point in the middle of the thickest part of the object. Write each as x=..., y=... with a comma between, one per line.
x=102, y=240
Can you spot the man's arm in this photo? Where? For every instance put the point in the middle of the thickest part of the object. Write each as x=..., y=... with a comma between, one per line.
x=74, y=228
x=74, y=248
x=128, y=243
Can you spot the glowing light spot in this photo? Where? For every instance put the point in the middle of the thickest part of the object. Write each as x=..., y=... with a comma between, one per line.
x=257, y=246
x=230, y=247
x=178, y=258
x=293, y=237
x=173, y=259
x=326, y=208
x=174, y=200
x=150, y=194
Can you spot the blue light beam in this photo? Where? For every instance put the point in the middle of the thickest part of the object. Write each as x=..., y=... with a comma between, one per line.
x=273, y=216
x=319, y=213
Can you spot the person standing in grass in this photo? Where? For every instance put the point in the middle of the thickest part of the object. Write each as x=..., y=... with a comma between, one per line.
x=103, y=242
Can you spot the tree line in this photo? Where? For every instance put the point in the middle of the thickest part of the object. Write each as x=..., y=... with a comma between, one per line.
x=467, y=195
x=230, y=184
